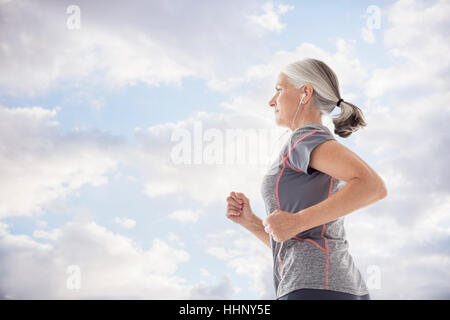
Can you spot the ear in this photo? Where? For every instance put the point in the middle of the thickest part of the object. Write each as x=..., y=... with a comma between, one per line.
x=309, y=90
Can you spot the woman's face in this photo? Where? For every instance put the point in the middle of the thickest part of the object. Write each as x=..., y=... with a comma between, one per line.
x=285, y=101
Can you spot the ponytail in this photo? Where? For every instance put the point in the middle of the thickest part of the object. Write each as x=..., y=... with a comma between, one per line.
x=349, y=120
x=326, y=93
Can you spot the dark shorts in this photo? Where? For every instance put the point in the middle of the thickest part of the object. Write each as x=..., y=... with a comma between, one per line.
x=318, y=294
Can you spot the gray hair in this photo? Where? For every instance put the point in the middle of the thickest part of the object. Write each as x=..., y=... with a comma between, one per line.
x=326, y=93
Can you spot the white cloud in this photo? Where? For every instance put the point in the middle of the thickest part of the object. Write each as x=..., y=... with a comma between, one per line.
x=405, y=142
x=160, y=44
x=173, y=238
x=246, y=256
x=270, y=19
x=126, y=223
x=418, y=42
x=204, y=272
x=162, y=176
x=52, y=235
x=41, y=223
x=205, y=291
x=112, y=266
x=345, y=63
x=249, y=112
x=98, y=103
x=412, y=256
x=284, y=8
x=368, y=36
x=185, y=215
x=39, y=165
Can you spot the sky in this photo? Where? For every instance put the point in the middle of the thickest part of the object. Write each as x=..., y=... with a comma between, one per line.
x=98, y=199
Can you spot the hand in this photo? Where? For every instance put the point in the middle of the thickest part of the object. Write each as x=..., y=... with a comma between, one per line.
x=281, y=225
x=239, y=210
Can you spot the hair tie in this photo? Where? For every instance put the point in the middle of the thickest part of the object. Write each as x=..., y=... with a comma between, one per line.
x=339, y=102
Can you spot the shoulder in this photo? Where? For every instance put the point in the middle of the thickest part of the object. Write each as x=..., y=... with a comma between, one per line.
x=308, y=147
x=310, y=129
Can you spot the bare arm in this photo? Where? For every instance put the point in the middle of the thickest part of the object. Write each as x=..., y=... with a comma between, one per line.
x=240, y=211
x=356, y=194
x=257, y=228
x=363, y=186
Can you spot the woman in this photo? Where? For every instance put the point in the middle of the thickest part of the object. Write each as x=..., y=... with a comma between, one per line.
x=304, y=224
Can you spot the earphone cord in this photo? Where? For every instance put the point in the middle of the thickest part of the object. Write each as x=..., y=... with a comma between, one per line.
x=292, y=124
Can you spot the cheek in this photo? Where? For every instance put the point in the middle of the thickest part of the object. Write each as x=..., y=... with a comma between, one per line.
x=282, y=103
x=283, y=98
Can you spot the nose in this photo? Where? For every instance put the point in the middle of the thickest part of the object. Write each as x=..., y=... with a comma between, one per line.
x=272, y=103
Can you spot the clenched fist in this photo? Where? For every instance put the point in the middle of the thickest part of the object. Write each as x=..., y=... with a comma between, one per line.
x=239, y=210
x=282, y=225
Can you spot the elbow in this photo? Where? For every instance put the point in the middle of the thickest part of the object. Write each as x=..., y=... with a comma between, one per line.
x=383, y=192
x=381, y=189
x=376, y=187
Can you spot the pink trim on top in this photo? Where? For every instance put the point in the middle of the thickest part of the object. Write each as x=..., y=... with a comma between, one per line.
x=279, y=207
x=311, y=133
x=326, y=250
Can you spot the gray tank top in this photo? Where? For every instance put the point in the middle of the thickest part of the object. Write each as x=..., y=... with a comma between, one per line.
x=317, y=258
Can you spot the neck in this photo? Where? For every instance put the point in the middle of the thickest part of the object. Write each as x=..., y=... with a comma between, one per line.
x=302, y=122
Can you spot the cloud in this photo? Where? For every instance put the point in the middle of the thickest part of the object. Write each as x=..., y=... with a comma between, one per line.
x=173, y=238
x=368, y=36
x=245, y=134
x=418, y=42
x=39, y=164
x=33, y=64
x=126, y=223
x=414, y=258
x=52, y=235
x=205, y=291
x=405, y=142
x=184, y=215
x=160, y=44
x=111, y=267
x=246, y=256
x=162, y=176
x=270, y=20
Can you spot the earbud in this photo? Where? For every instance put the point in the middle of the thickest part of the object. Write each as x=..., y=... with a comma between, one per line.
x=301, y=100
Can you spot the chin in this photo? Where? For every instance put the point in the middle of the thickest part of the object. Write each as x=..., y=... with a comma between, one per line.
x=278, y=121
